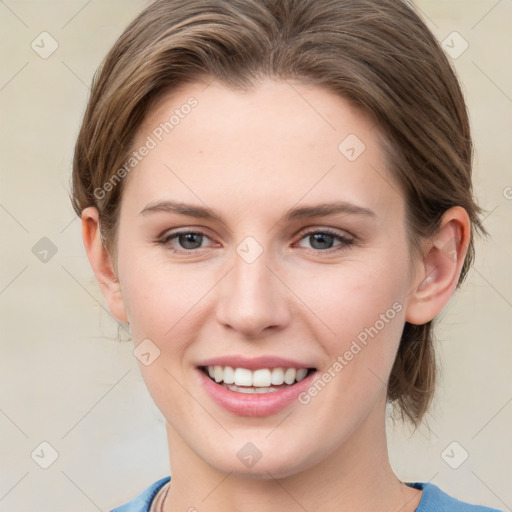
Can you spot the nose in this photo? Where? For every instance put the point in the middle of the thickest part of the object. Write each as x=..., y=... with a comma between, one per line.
x=253, y=300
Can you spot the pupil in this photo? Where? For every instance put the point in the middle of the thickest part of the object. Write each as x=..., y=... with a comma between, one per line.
x=320, y=237
x=188, y=238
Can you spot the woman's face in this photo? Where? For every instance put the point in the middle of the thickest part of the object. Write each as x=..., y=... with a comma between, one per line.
x=264, y=281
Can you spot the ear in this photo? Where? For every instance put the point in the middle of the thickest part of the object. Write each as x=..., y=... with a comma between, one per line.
x=101, y=263
x=439, y=272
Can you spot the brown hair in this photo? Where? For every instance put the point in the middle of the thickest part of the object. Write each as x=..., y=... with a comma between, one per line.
x=377, y=54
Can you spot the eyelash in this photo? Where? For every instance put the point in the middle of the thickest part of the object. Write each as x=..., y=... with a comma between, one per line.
x=345, y=242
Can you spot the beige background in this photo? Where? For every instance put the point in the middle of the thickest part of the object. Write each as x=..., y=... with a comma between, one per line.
x=66, y=382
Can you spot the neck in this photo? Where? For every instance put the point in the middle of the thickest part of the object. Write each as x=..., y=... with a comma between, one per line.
x=355, y=476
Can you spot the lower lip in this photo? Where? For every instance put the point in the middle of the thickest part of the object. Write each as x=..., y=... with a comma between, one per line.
x=257, y=404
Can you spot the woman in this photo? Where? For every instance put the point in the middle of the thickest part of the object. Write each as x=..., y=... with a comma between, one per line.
x=276, y=197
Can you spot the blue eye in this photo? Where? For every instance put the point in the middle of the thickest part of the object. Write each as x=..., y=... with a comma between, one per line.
x=325, y=237
x=189, y=240
x=320, y=239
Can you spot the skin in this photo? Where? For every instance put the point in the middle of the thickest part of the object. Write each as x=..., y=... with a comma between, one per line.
x=250, y=156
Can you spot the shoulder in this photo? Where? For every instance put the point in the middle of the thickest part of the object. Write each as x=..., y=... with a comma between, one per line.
x=434, y=499
x=142, y=502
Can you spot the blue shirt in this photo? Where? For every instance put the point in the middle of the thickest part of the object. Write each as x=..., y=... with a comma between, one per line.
x=433, y=499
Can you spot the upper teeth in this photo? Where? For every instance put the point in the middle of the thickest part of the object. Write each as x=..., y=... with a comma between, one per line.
x=257, y=378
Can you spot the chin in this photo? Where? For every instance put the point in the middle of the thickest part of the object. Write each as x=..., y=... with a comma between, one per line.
x=269, y=466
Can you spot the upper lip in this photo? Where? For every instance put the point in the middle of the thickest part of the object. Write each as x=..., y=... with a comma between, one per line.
x=254, y=363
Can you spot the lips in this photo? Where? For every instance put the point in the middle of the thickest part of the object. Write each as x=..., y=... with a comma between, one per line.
x=254, y=387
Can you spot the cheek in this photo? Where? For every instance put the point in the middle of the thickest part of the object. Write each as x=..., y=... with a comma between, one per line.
x=155, y=290
x=351, y=295
x=160, y=300
x=358, y=308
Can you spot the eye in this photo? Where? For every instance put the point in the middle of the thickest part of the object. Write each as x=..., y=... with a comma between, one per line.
x=322, y=240
x=187, y=240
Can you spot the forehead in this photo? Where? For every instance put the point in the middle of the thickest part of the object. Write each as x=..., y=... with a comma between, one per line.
x=279, y=143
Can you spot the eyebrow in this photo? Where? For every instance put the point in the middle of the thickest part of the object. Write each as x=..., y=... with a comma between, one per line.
x=304, y=212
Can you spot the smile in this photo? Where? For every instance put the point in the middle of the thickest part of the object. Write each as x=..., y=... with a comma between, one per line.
x=257, y=392
x=262, y=380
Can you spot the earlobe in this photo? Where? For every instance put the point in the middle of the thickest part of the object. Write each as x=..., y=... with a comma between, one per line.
x=101, y=263
x=441, y=267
